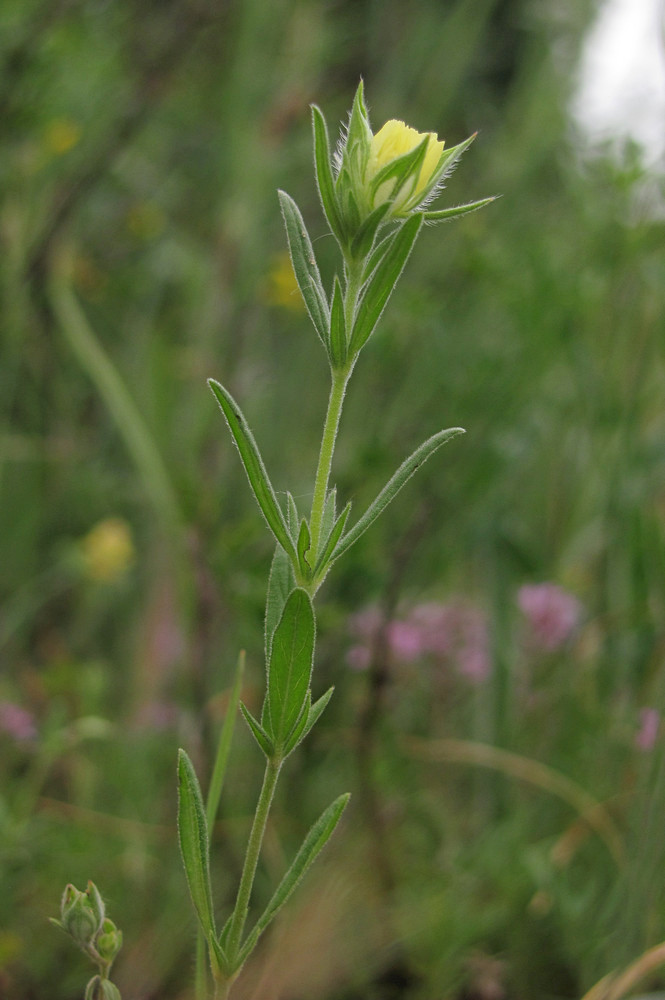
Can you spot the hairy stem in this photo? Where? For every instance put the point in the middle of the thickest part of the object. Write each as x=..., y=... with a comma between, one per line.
x=273, y=767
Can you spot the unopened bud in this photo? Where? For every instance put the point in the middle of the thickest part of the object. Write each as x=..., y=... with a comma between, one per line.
x=80, y=917
x=109, y=941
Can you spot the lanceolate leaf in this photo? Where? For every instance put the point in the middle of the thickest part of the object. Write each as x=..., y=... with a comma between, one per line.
x=258, y=732
x=332, y=540
x=382, y=282
x=338, y=344
x=324, y=175
x=315, y=841
x=303, y=547
x=443, y=214
x=395, y=484
x=305, y=267
x=298, y=730
x=193, y=835
x=364, y=238
x=290, y=666
x=254, y=467
x=280, y=584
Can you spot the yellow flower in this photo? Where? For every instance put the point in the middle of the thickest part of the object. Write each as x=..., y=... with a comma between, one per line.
x=108, y=550
x=281, y=287
x=394, y=140
x=61, y=135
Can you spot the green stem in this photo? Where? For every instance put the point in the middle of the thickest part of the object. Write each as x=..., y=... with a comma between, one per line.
x=340, y=378
x=337, y=390
x=273, y=767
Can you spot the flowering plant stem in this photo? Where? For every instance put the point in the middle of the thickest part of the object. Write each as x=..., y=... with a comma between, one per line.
x=375, y=208
x=330, y=428
x=273, y=767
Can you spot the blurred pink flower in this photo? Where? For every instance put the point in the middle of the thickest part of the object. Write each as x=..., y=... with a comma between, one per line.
x=551, y=612
x=17, y=722
x=456, y=632
x=358, y=657
x=405, y=640
x=647, y=734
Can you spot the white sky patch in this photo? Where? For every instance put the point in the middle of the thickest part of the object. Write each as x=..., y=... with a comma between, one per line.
x=621, y=90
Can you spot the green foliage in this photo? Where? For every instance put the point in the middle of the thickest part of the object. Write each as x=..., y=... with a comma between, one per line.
x=534, y=324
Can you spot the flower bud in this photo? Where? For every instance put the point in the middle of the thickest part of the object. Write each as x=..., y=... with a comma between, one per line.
x=109, y=941
x=81, y=913
x=101, y=989
x=405, y=189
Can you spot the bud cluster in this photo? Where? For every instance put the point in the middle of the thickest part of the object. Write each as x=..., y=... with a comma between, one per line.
x=83, y=918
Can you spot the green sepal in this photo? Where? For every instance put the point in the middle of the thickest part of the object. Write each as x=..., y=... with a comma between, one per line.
x=358, y=138
x=324, y=177
x=395, y=484
x=351, y=212
x=338, y=341
x=443, y=214
x=258, y=732
x=305, y=267
x=401, y=169
x=254, y=467
x=364, y=238
x=315, y=841
x=290, y=669
x=383, y=280
x=328, y=551
x=280, y=584
x=303, y=546
x=447, y=163
x=193, y=837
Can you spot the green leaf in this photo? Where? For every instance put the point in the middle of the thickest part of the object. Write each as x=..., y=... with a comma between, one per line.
x=338, y=343
x=364, y=238
x=447, y=163
x=380, y=285
x=303, y=547
x=443, y=214
x=280, y=584
x=315, y=712
x=305, y=267
x=329, y=513
x=296, y=734
x=254, y=467
x=324, y=177
x=315, y=841
x=292, y=517
x=378, y=253
x=193, y=836
x=395, y=484
x=290, y=666
x=331, y=542
x=258, y=732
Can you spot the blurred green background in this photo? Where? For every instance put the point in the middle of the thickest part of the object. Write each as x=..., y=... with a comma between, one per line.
x=505, y=833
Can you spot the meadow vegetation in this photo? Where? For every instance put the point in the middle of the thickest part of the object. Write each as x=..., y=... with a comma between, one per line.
x=496, y=641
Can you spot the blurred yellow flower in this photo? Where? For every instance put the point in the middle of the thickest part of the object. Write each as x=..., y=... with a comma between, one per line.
x=108, y=550
x=393, y=140
x=61, y=135
x=282, y=288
